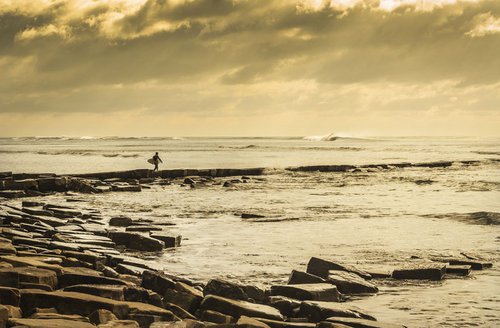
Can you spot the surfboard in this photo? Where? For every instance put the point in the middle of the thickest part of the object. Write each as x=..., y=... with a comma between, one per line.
x=151, y=161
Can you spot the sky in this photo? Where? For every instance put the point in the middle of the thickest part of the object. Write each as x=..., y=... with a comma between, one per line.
x=249, y=67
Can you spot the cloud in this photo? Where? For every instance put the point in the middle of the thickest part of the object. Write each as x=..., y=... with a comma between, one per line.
x=484, y=24
x=242, y=56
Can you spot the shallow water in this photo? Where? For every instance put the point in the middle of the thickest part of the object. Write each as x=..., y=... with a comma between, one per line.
x=375, y=220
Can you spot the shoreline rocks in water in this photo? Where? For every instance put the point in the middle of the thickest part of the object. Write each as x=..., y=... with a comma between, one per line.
x=16, y=185
x=62, y=267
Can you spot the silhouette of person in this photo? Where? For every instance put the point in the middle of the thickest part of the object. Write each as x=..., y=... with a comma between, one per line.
x=156, y=161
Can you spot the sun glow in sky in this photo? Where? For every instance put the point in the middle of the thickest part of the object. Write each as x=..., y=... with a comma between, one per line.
x=241, y=67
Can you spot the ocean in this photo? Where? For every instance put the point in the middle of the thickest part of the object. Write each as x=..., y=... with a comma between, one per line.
x=377, y=219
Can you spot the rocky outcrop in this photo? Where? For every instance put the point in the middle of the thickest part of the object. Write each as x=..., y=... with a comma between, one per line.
x=319, y=311
x=425, y=271
x=321, y=268
x=355, y=322
x=314, y=292
x=236, y=308
x=136, y=241
x=350, y=283
x=71, y=302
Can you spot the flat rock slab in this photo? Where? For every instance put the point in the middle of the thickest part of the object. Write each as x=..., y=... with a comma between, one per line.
x=319, y=311
x=71, y=279
x=9, y=296
x=30, y=275
x=236, y=308
x=460, y=270
x=143, y=228
x=314, y=292
x=148, y=309
x=70, y=302
x=283, y=324
x=17, y=261
x=358, y=323
x=120, y=221
x=321, y=268
x=114, y=292
x=136, y=241
x=120, y=324
x=299, y=277
x=350, y=283
x=428, y=271
x=169, y=240
x=157, y=282
x=52, y=323
x=475, y=265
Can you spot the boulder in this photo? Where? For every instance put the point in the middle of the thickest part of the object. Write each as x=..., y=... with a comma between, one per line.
x=29, y=285
x=357, y=323
x=31, y=242
x=34, y=261
x=4, y=316
x=70, y=302
x=247, y=322
x=225, y=288
x=319, y=311
x=236, y=308
x=216, y=317
x=321, y=268
x=114, y=292
x=143, y=228
x=299, y=277
x=9, y=296
x=169, y=240
x=460, y=270
x=72, y=317
x=86, y=256
x=425, y=271
x=101, y=316
x=284, y=324
x=178, y=311
x=23, y=184
x=11, y=233
x=187, y=323
x=12, y=193
x=129, y=269
x=28, y=275
x=120, y=324
x=136, y=241
x=14, y=311
x=234, y=290
x=53, y=323
x=185, y=296
x=120, y=221
x=157, y=282
x=132, y=188
x=314, y=292
x=148, y=309
x=71, y=279
x=475, y=265
x=287, y=306
x=35, y=211
x=80, y=185
x=6, y=248
x=52, y=184
x=350, y=283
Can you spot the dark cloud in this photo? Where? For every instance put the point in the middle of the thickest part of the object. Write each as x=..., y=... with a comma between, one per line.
x=239, y=42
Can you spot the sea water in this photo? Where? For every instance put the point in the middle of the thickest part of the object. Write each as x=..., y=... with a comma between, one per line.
x=377, y=219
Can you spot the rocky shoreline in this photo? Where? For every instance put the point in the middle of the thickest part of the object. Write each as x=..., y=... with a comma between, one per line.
x=64, y=266
x=17, y=185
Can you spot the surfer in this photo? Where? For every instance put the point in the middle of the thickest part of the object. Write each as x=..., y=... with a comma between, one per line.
x=156, y=161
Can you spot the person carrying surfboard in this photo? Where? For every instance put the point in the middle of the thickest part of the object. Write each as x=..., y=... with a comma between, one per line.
x=156, y=161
